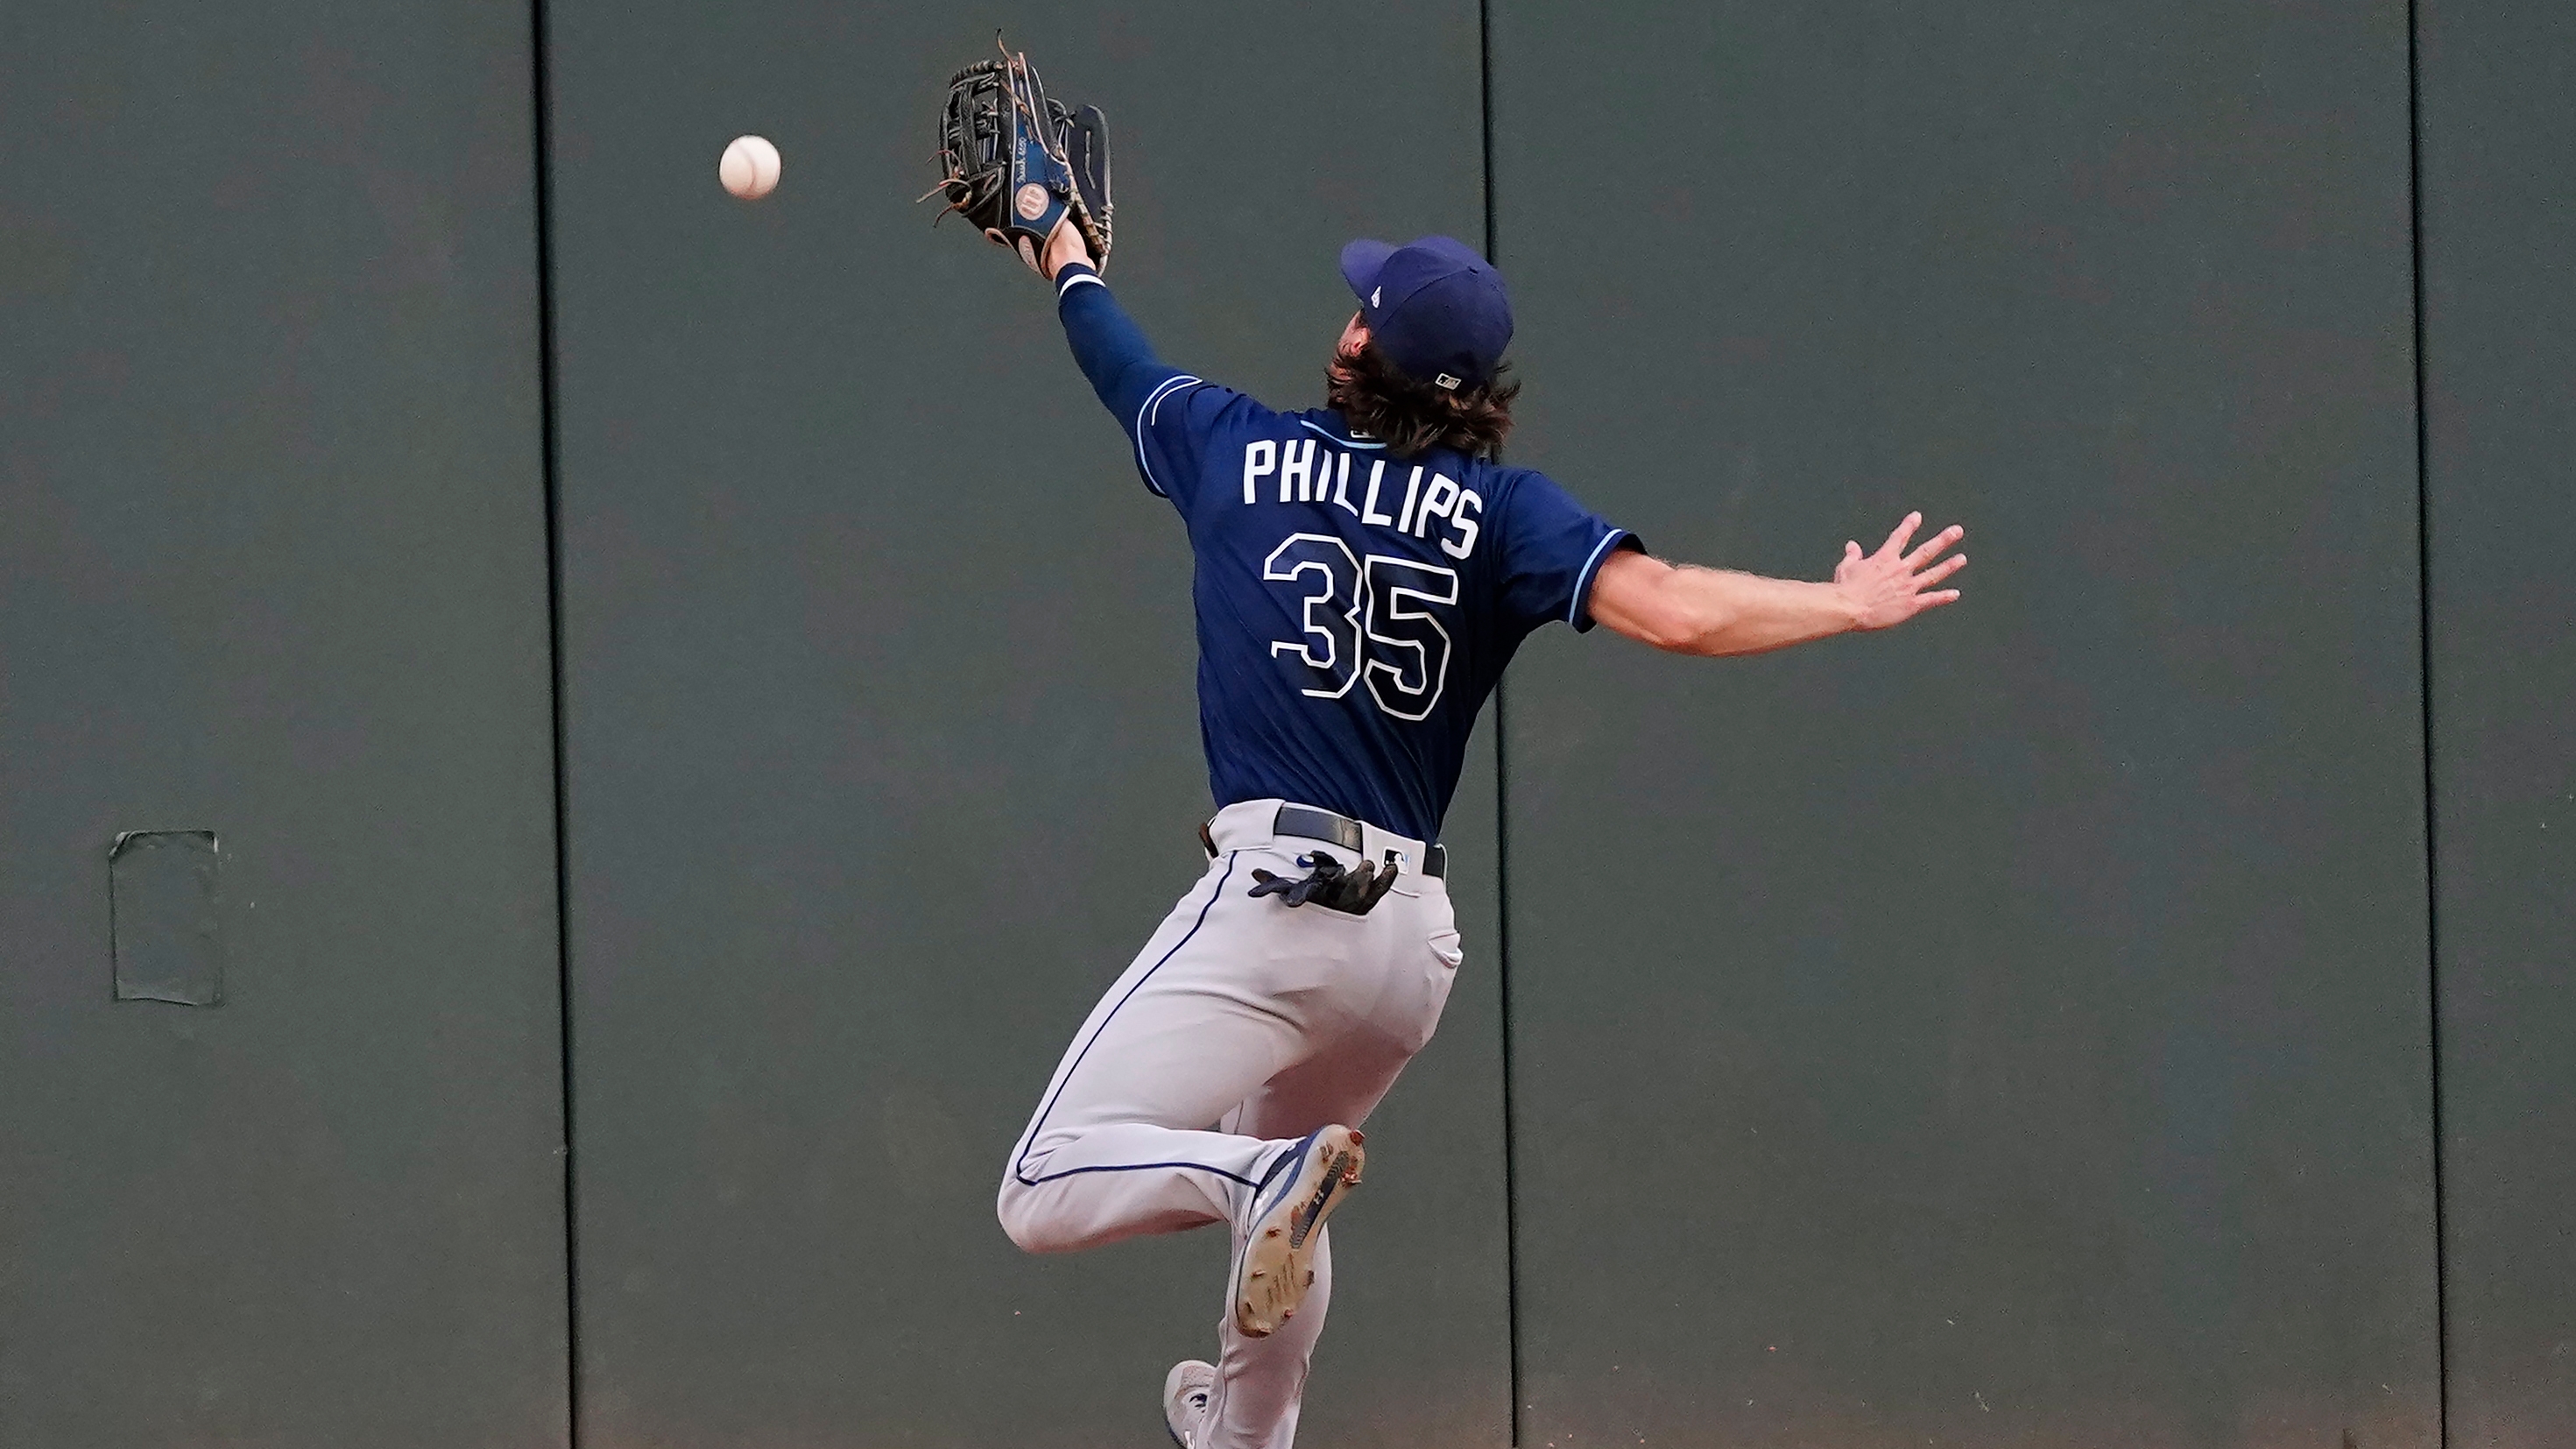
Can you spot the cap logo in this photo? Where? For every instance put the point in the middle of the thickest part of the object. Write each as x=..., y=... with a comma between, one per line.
x=1445, y=380
x=1373, y=291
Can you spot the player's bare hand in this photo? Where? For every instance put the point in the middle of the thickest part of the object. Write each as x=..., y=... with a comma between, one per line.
x=1065, y=244
x=1893, y=585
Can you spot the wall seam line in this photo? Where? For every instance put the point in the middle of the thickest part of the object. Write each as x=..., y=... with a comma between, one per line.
x=2424, y=693
x=542, y=78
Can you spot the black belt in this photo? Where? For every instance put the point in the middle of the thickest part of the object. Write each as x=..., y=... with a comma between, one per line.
x=1307, y=823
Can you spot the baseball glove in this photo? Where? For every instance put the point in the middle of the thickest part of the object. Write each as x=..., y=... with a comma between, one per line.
x=1017, y=162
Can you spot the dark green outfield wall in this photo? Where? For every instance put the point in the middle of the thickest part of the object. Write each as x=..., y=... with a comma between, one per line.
x=273, y=564
x=2092, y=1015
x=2011, y=1029
x=2499, y=291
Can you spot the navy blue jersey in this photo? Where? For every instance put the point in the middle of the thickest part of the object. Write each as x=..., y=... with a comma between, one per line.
x=1354, y=609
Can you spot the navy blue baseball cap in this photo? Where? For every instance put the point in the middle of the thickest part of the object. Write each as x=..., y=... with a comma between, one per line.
x=1435, y=308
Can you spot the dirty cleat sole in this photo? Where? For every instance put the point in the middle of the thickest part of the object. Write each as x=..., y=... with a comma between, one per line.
x=1279, y=1251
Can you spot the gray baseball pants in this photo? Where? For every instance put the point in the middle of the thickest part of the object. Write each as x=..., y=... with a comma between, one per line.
x=1242, y=1026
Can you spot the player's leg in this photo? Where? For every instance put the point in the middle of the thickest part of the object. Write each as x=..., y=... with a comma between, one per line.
x=1261, y=1381
x=1119, y=1144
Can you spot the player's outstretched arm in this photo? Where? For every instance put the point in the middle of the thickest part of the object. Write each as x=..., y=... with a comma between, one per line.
x=1690, y=610
x=1107, y=345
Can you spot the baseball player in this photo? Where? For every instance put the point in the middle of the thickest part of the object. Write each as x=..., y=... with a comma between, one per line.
x=1364, y=572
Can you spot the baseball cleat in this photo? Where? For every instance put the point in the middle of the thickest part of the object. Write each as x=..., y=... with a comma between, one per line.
x=1185, y=1398
x=1277, y=1265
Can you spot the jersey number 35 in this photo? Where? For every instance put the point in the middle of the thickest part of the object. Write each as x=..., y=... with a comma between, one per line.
x=1366, y=620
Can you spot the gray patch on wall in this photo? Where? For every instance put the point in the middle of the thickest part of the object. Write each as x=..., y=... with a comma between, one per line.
x=161, y=903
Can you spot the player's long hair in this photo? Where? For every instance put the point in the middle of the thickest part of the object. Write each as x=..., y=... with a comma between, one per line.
x=1412, y=417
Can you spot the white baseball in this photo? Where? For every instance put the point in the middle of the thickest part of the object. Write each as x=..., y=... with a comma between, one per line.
x=749, y=168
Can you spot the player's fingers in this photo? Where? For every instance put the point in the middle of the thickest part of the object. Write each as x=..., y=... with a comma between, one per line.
x=1895, y=544
x=1940, y=571
x=1936, y=599
x=1933, y=545
x=1851, y=551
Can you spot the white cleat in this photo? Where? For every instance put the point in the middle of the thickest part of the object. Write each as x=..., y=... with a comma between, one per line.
x=1185, y=1399
x=1277, y=1265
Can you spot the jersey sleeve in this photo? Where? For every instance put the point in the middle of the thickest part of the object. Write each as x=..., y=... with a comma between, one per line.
x=1168, y=414
x=1552, y=548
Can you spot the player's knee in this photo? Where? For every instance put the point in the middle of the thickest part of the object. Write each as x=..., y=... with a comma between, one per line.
x=1017, y=1208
